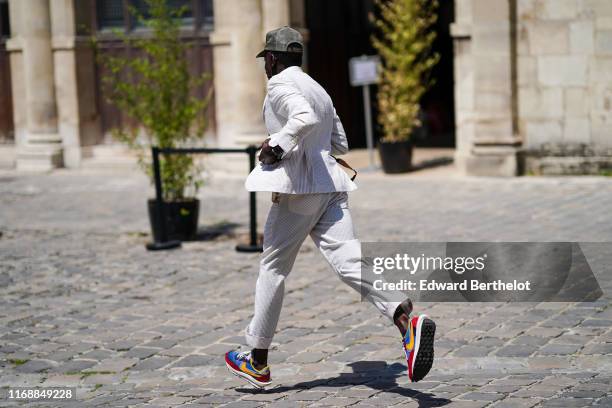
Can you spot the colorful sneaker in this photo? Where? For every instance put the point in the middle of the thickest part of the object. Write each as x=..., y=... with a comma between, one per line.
x=419, y=346
x=241, y=365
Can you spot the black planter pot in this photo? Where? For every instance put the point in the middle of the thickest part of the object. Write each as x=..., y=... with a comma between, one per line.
x=396, y=157
x=181, y=219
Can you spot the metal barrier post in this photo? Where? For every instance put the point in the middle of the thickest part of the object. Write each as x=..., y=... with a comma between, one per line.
x=253, y=245
x=160, y=209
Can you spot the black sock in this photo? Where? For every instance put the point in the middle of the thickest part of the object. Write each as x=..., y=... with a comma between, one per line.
x=260, y=357
x=404, y=307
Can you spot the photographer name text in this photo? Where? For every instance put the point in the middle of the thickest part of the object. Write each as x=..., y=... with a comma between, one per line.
x=472, y=284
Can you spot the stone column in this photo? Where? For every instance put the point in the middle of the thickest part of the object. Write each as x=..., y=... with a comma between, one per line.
x=78, y=119
x=485, y=88
x=279, y=13
x=275, y=14
x=297, y=20
x=13, y=46
x=39, y=148
x=238, y=79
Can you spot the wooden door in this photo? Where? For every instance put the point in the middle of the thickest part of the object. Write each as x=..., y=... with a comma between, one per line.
x=339, y=30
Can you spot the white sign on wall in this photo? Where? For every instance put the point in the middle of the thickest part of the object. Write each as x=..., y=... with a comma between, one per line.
x=364, y=70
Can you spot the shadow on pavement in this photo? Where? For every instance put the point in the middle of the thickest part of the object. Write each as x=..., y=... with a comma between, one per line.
x=216, y=231
x=431, y=163
x=377, y=375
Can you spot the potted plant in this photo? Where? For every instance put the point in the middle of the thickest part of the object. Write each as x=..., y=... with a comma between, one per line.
x=154, y=87
x=404, y=39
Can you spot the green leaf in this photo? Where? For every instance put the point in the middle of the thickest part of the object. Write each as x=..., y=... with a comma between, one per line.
x=404, y=39
x=152, y=85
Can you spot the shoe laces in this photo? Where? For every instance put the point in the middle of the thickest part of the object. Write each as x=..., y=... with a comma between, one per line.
x=244, y=355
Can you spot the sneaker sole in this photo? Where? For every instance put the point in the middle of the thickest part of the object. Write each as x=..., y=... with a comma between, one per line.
x=258, y=384
x=426, y=332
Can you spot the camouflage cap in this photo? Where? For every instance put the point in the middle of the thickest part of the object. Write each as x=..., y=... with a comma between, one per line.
x=284, y=39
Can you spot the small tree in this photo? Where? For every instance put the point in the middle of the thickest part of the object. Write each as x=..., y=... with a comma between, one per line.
x=404, y=43
x=154, y=89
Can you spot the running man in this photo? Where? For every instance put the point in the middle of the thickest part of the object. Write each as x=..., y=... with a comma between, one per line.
x=309, y=195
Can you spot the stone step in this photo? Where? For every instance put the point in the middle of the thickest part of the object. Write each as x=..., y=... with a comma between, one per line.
x=111, y=150
x=7, y=157
x=39, y=157
x=110, y=156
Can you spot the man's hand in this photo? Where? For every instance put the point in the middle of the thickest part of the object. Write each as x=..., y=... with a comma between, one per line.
x=269, y=154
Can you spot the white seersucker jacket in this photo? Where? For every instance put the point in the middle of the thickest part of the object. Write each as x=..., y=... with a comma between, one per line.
x=300, y=117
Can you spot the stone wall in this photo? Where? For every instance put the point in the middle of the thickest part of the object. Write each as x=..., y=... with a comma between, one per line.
x=487, y=140
x=565, y=85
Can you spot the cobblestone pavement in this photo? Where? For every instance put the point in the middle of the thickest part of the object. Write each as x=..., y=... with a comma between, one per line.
x=82, y=303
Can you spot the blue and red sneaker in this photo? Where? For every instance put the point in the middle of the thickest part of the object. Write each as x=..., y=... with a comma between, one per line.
x=241, y=365
x=419, y=346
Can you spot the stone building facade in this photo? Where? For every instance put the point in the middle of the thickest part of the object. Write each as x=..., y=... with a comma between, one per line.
x=533, y=86
x=565, y=85
x=532, y=81
x=50, y=81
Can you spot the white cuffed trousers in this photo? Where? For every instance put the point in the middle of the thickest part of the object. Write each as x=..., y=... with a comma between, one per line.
x=326, y=218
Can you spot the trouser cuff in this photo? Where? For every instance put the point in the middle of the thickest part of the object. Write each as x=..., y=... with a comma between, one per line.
x=256, y=341
x=390, y=309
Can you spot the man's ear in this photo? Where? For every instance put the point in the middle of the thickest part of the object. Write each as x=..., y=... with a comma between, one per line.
x=274, y=63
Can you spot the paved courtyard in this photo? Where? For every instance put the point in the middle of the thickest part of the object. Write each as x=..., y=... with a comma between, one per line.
x=83, y=304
